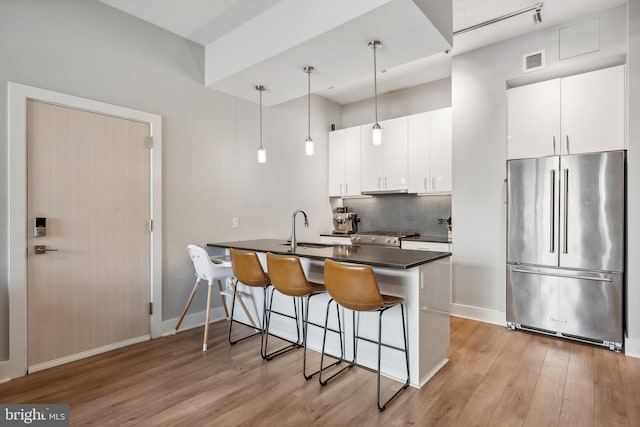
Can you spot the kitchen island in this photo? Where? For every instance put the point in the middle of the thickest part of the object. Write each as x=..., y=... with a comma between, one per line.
x=422, y=278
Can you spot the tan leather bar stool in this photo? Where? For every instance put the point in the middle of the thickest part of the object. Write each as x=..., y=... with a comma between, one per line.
x=355, y=287
x=288, y=277
x=248, y=271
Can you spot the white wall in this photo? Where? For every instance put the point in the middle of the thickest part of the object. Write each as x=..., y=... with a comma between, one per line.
x=633, y=183
x=479, y=80
x=417, y=99
x=88, y=49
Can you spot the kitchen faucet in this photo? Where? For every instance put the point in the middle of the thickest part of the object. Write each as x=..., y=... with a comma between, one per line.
x=294, y=244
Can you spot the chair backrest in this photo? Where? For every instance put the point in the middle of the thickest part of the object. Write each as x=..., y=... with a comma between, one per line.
x=287, y=275
x=247, y=268
x=205, y=269
x=353, y=286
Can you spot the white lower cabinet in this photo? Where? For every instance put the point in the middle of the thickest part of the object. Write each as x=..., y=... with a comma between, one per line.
x=335, y=240
x=426, y=246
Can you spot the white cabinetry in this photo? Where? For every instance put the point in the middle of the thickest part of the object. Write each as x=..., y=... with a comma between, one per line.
x=429, y=148
x=577, y=114
x=344, y=162
x=426, y=246
x=384, y=167
x=335, y=240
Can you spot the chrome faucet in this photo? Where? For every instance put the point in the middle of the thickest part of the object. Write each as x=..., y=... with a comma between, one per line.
x=294, y=244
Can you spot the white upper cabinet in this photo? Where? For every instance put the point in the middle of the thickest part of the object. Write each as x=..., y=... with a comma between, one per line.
x=430, y=152
x=441, y=139
x=384, y=167
x=534, y=120
x=577, y=114
x=592, y=111
x=344, y=162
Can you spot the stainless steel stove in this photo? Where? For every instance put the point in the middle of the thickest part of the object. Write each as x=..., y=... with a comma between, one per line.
x=380, y=238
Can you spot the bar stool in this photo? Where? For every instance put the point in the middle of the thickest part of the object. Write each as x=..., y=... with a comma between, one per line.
x=248, y=271
x=355, y=287
x=288, y=278
x=208, y=270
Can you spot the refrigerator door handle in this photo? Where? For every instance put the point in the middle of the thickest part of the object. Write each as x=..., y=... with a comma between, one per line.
x=552, y=210
x=566, y=211
x=568, y=276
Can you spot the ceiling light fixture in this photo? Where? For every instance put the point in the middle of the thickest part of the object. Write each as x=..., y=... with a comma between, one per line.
x=537, y=18
x=376, y=135
x=262, y=153
x=309, y=148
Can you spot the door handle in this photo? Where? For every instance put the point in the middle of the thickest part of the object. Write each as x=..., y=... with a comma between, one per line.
x=566, y=211
x=42, y=249
x=565, y=276
x=552, y=209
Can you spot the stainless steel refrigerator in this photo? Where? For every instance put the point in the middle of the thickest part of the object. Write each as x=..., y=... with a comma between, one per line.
x=566, y=247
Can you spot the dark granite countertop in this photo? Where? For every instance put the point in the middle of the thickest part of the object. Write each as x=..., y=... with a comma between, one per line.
x=375, y=256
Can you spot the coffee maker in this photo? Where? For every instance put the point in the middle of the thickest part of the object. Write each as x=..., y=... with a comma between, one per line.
x=345, y=222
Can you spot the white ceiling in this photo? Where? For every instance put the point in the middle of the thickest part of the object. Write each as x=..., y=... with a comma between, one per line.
x=268, y=42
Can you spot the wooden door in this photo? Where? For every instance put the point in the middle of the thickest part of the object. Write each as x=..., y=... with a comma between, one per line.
x=88, y=174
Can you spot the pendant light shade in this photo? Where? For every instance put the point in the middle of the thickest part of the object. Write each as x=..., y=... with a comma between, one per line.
x=309, y=145
x=262, y=153
x=376, y=134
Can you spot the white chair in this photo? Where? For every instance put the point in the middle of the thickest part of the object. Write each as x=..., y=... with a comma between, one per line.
x=209, y=269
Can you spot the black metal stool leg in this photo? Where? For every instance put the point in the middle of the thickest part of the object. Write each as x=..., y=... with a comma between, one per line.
x=383, y=406
x=265, y=340
x=341, y=359
x=232, y=320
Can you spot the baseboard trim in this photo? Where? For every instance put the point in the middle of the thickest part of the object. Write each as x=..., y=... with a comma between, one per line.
x=478, y=313
x=632, y=347
x=88, y=353
x=191, y=321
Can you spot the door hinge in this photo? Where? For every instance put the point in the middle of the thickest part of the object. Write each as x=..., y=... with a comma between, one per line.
x=148, y=140
x=150, y=308
x=150, y=225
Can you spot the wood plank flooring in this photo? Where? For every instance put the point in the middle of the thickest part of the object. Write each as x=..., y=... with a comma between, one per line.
x=495, y=377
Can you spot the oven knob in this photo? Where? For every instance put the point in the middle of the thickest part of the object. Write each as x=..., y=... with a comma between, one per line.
x=388, y=241
x=373, y=239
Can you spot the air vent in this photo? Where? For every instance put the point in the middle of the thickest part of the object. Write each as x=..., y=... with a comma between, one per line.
x=533, y=61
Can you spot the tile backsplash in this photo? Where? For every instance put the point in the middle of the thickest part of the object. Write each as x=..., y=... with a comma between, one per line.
x=402, y=212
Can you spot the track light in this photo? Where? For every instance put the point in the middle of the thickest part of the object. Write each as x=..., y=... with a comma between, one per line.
x=537, y=17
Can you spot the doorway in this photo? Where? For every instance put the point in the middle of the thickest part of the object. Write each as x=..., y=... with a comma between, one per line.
x=21, y=244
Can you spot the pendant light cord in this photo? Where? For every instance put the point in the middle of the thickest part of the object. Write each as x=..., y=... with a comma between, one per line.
x=309, y=102
x=260, y=89
x=375, y=81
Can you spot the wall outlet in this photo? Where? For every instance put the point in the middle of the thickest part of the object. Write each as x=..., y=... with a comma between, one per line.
x=234, y=223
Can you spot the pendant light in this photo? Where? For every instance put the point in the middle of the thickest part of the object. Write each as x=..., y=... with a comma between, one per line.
x=309, y=145
x=376, y=135
x=262, y=153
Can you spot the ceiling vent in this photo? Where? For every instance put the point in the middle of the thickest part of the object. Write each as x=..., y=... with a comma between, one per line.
x=533, y=61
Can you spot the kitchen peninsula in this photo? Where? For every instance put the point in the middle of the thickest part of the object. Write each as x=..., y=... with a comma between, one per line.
x=422, y=278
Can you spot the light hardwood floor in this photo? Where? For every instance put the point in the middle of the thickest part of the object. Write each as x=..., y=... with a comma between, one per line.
x=495, y=377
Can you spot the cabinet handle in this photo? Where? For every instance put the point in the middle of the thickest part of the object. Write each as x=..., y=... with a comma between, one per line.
x=568, y=144
x=425, y=183
x=385, y=182
x=341, y=189
x=433, y=183
x=554, y=145
x=346, y=189
x=379, y=183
